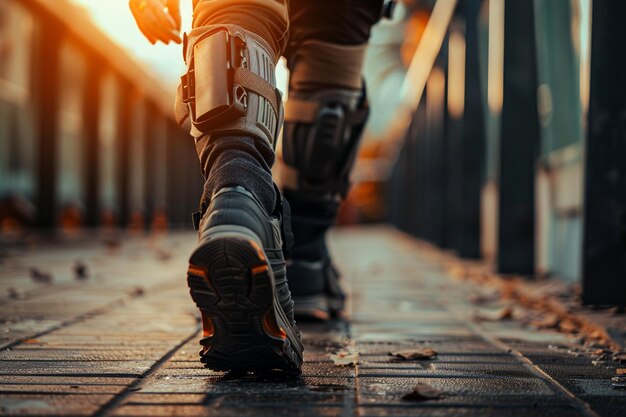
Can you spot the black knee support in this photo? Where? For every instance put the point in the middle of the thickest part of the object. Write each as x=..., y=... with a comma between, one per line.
x=320, y=143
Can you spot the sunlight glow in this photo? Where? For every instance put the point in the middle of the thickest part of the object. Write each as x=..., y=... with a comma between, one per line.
x=456, y=74
x=495, y=66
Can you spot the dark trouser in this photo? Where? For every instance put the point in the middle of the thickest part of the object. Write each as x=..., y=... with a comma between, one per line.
x=285, y=25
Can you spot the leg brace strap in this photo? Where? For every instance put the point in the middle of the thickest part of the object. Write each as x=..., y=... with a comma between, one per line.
x=230, y=87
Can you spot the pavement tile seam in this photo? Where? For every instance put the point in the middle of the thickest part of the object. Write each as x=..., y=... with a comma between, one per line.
x=51, y=384
x=465, y=405
x=75, y=375
x=582, y=405
x=110, y=406
x=74, y=320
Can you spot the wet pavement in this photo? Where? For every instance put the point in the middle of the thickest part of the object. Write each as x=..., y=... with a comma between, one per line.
x=105, y=327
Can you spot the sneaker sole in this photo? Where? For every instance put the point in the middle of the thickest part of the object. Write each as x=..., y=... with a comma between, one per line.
x=317, y=307
x=311, y=308
x=244, y=327
x=316, y=304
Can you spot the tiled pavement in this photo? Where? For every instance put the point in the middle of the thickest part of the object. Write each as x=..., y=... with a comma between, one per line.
x=123, y=341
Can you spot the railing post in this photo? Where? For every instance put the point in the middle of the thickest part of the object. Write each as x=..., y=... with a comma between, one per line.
x=519, y=140
x=91, y=121
x=149, y=163
x=453, y=230
x=473, y=145
x=604, y=235
x=47, y=47
x=436, y=163
x=124, y=136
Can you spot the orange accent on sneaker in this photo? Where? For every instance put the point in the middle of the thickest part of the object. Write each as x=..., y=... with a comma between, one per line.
x=259, y=250
x=198, y=271
x=319, y=314
x=271, y=327
x=259, y=269
x=208, y=329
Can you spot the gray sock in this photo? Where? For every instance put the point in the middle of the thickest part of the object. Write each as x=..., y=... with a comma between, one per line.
x=240, y=161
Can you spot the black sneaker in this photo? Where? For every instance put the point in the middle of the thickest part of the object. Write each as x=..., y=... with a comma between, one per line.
x=237, y=278
x=313, y=279
x=317, y=293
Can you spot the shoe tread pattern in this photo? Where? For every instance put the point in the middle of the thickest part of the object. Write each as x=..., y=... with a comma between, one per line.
x=237, y=300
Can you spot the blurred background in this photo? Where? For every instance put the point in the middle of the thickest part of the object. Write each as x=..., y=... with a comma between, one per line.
x=497, y=131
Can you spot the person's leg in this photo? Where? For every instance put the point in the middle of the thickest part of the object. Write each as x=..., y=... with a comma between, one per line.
x=324, y=117
x=237, y=272
x=241, y=157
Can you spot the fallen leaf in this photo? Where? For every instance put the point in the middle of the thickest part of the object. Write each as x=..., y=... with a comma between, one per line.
x=137, y=292
x=15, y=293
x=568, y=326
x=163, y=255
x=80, y=271
x=503, y=313
x=620, y=357
x=40, y=276
x=523, y=315
x=595, y=345
x=423, y=392
x=549, y=321
x=601, y=360
x=456, y=271
x=484, y=298
x=618, y=382
x=415, y=354
x=600, y=335
x=597, y=352
x=344, y=358
x=112, y=244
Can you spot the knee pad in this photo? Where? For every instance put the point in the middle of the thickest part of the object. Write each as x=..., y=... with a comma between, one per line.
x=230, y=87
x=320, y=143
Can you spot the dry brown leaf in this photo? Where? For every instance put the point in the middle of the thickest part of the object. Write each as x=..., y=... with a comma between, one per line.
x=15, y=294
x=423, y=392
x=484, y=298
x=112, y=244
x=522, y=315
x=620, y=357
x=137, y=292
x=618, y=382
x=568, y=326
x=163, y=255
x=81, y=271
x=415, y=354
x=345, y=358
x=598, y=334
x=456, y=271
x=549, y=321
x=503, y=313
x=40, y=276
